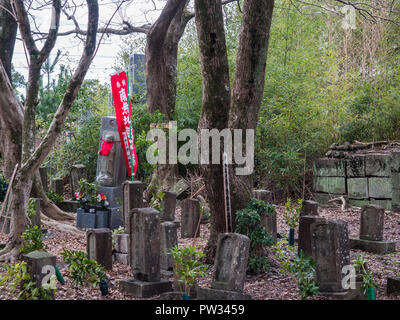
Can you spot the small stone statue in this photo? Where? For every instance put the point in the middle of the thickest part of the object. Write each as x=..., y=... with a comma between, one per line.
x=107, y=157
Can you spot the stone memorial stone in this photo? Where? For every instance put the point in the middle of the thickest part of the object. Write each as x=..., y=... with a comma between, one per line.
x=168, y=239
x=371, y=231
x=168, y=206
x=132, y=198
x=99, y=246
x=264, y=195
x=330, y=250
x=78, y=172
x=393, y=285
x=121, y=242
x=38, y=265
x=190, y=226
x=44, y=178
x=305, y=223
x=309, y=208
x=145, y=255
x=57, y=185
x=230, y=269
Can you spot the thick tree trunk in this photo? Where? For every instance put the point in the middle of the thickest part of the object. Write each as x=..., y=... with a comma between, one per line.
x=248, y=86
x=215, y=105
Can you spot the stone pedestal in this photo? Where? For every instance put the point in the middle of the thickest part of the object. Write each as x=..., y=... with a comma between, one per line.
x=114, y=198
x=168, y=239
x=378, y=247
x=143, y=289
x=305, y=223
x=168, y=208
x=99, y=246
x=330, y=250
x=190, y=218
x=88, y=220
x=204, y=293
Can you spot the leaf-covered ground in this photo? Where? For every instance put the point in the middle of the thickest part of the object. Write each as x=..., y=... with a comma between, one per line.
x=273, y=285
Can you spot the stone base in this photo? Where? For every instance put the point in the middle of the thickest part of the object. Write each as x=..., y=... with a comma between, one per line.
x=116, y=218
x=335, y=295
x=113, y=194
x=171, y=296
x=393, y=285
x=143, y=289
x=121, y=258
x=204, y=293
x=379, y=247
x=86, y=220
x=357, y=293
x=69, y=205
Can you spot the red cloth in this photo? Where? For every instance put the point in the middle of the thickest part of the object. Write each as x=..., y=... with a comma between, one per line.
x=106, y=147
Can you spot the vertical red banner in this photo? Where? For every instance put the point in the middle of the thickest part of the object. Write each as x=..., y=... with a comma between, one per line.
x=123, y=111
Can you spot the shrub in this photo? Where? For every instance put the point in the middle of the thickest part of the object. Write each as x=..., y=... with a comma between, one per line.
x=32, y=239
x=291, y=213
x=83, y=270
x=248, y=222
x=55, y=197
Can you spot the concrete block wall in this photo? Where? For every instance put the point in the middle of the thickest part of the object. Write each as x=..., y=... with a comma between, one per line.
x=363, y=178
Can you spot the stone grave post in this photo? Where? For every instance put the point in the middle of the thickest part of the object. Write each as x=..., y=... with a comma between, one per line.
x=99, y=246
x=168, y=206
x=57, y=185
x=39, y=265
x=371, y=231
x=121, y=248
x=305, y=223
x=78, y=172
x=168, y=239
x=230, y=269
x=331, y=251
x=264, y=195
x=268, y=221
x=111, y=170
x=309, y=208
x=190, y=218
x=44, y=178
x=145, y=255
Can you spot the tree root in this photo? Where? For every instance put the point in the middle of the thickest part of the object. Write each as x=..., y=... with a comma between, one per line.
x=63, y=227
x=11, y=253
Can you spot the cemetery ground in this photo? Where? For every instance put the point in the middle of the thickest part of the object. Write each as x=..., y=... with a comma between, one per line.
x=273, y=285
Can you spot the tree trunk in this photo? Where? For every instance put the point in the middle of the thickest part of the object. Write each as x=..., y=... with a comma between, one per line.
x=215, y=105
x=248, y=86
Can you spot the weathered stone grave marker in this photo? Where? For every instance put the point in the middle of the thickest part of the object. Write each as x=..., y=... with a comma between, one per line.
x=57, y=185
x=371, y=232
x=230, y=269
x=121, y=246
x=168, y=239
x=268, y=221
x=190, y=223
x=145, y=255
x=168, y=206
x=330, y=250
x=99, y=246
x=305, y=223
x=309, y=208
x=78, y=172
x=44, y=178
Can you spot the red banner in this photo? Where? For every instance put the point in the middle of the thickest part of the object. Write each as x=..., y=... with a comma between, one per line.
x=123, y=111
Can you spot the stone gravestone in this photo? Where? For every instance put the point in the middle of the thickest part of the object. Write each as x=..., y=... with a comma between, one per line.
x=132, y=198
x=44, y=178
x=137, y=80
x=330, y=250
x=145, y=255
x=309, y=208
x=305, y=223
x=99, y=246
x=39, y=264
x=78, y=172
x=230, y=269
x=268, y=221
x=190, y=218
x=264, y=195
x=121, y=247
x=57, y=185
x=371, y=231
x=111, y=170
x=168, y=239
x=168, y=206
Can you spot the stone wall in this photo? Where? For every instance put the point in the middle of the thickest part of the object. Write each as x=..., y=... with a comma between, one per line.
x=362, y=178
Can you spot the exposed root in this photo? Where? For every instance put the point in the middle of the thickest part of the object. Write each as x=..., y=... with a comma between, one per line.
x=63, y=227
x=10, y=254
x=343, y=200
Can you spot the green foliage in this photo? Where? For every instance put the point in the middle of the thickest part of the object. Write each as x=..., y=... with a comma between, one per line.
x=17, y=280
x=87, y=192
x=291, y=213
x=3, y=187
x=156, y=201
x=32, y=239
x=187, y=267
x=301, y=267
x=83, y=270
x=368, y=278
x=248, y=222
x=55, y=197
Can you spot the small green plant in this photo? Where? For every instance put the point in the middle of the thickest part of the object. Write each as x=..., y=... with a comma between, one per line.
x=32, y=239
x=56, y=198
x=291, y=213
x=301, y=267
x=248, y=222
x=360, y=264
x=187, y=267
x=156, y=201
x=83, y=270
x=31, y=208
x=18, y=281
x=87, y=193
x=3, y=187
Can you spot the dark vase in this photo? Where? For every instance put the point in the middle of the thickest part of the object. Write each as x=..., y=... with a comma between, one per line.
x=371, y=294
x=104, y=287
x=185, y=296
x=291, y=237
